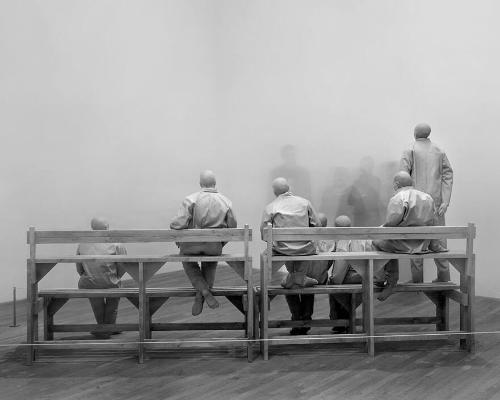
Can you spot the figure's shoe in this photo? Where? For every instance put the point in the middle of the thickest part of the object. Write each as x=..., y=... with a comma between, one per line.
x=198, y=304
x=101, y=335
x=287, y=282
x=388, y=291
x=296, y=331
x=305, y=329
x=339, y=330
x=379, y=283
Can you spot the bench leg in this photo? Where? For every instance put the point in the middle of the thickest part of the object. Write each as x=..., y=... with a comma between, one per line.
x=142, y=313
x=48, y=320
x=443, y=313
x=31, y=312
x=368, y=319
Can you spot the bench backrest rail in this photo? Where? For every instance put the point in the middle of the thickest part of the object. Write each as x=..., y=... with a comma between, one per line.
x=373, y=233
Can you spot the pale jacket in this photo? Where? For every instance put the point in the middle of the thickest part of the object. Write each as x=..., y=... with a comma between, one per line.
x=204, y=210
x=430, y=169
x=408, y=207
x=287, y=211
x=100, y=274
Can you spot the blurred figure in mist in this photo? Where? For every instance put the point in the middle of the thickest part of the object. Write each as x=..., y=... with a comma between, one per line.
x=334, y=198
x=297, y=176
x=386, y=172
x=364, y=196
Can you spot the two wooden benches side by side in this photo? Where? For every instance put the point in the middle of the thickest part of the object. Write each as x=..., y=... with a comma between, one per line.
x=252, y=300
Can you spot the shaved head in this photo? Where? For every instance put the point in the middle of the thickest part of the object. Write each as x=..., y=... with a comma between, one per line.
x=323, y=219
x=402, y=179
x=99, y=224
x=343, y=221
x=280, y=186
x=207, y=179
x=422, y=131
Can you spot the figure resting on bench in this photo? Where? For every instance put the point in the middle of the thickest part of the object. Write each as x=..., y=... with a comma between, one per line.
x=101, y=275
x=302, y=305
x=408, y=207
x=206, y=209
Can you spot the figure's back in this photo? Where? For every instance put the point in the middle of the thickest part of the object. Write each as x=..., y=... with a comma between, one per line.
x=427, y=168
x=290, y=211
x=210, y=210
x=420, y=208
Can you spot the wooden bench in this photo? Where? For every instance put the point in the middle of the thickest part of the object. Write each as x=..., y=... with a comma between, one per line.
x=141, y=268
x=439, y=293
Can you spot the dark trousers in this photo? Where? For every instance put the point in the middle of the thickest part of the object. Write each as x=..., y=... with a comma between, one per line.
x=340, y=304
x=202, y=278
x=105, y=308
x=301, y=306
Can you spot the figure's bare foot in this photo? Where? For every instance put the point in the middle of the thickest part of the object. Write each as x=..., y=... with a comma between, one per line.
x=211, y=301
x=198, y=304
x=384, y=294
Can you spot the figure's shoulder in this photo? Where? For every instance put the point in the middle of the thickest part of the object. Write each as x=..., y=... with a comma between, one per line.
x=437, y=148
x=191, y=198
x=299, y=199
x=225, y=199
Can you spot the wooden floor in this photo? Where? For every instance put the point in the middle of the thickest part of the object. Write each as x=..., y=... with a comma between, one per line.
x=403, y=370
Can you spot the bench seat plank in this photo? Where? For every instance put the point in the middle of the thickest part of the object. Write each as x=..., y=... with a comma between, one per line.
x=134, y=292
x=365, y=255
x=352, y=288
x=139, y=258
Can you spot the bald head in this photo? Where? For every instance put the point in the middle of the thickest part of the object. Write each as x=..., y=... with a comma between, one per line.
x=99, y=224
x=402, y=179
x=422, y=131
x=323, y=219
x=280, y=186
x=207, y=179
x=343, y=221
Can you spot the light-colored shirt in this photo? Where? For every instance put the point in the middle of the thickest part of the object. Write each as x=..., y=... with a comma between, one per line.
x=430, y=169
x=408, y=207
x=100, y=274
x=341, y=267
x=287, y=211
x=204, y=210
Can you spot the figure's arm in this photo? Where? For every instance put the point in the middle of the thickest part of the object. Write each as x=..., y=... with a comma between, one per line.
x=267, y=217
x=313, y=216
x=406, y=162
x=447, y=184
x=184, y=215
x=340, y=267
x=231, y=219
x=395, y=213
x=79, y=266
x=120, y=250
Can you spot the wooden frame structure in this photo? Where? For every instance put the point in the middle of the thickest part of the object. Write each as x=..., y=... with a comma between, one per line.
x=439, y=293
x=141, y=269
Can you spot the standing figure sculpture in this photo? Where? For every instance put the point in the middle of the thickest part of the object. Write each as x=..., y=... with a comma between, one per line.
x=431, y=172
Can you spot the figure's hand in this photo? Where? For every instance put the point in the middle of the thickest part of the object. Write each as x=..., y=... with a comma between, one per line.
x=442, y=209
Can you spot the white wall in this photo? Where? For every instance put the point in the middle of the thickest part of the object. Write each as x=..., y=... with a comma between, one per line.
x=112, y=108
